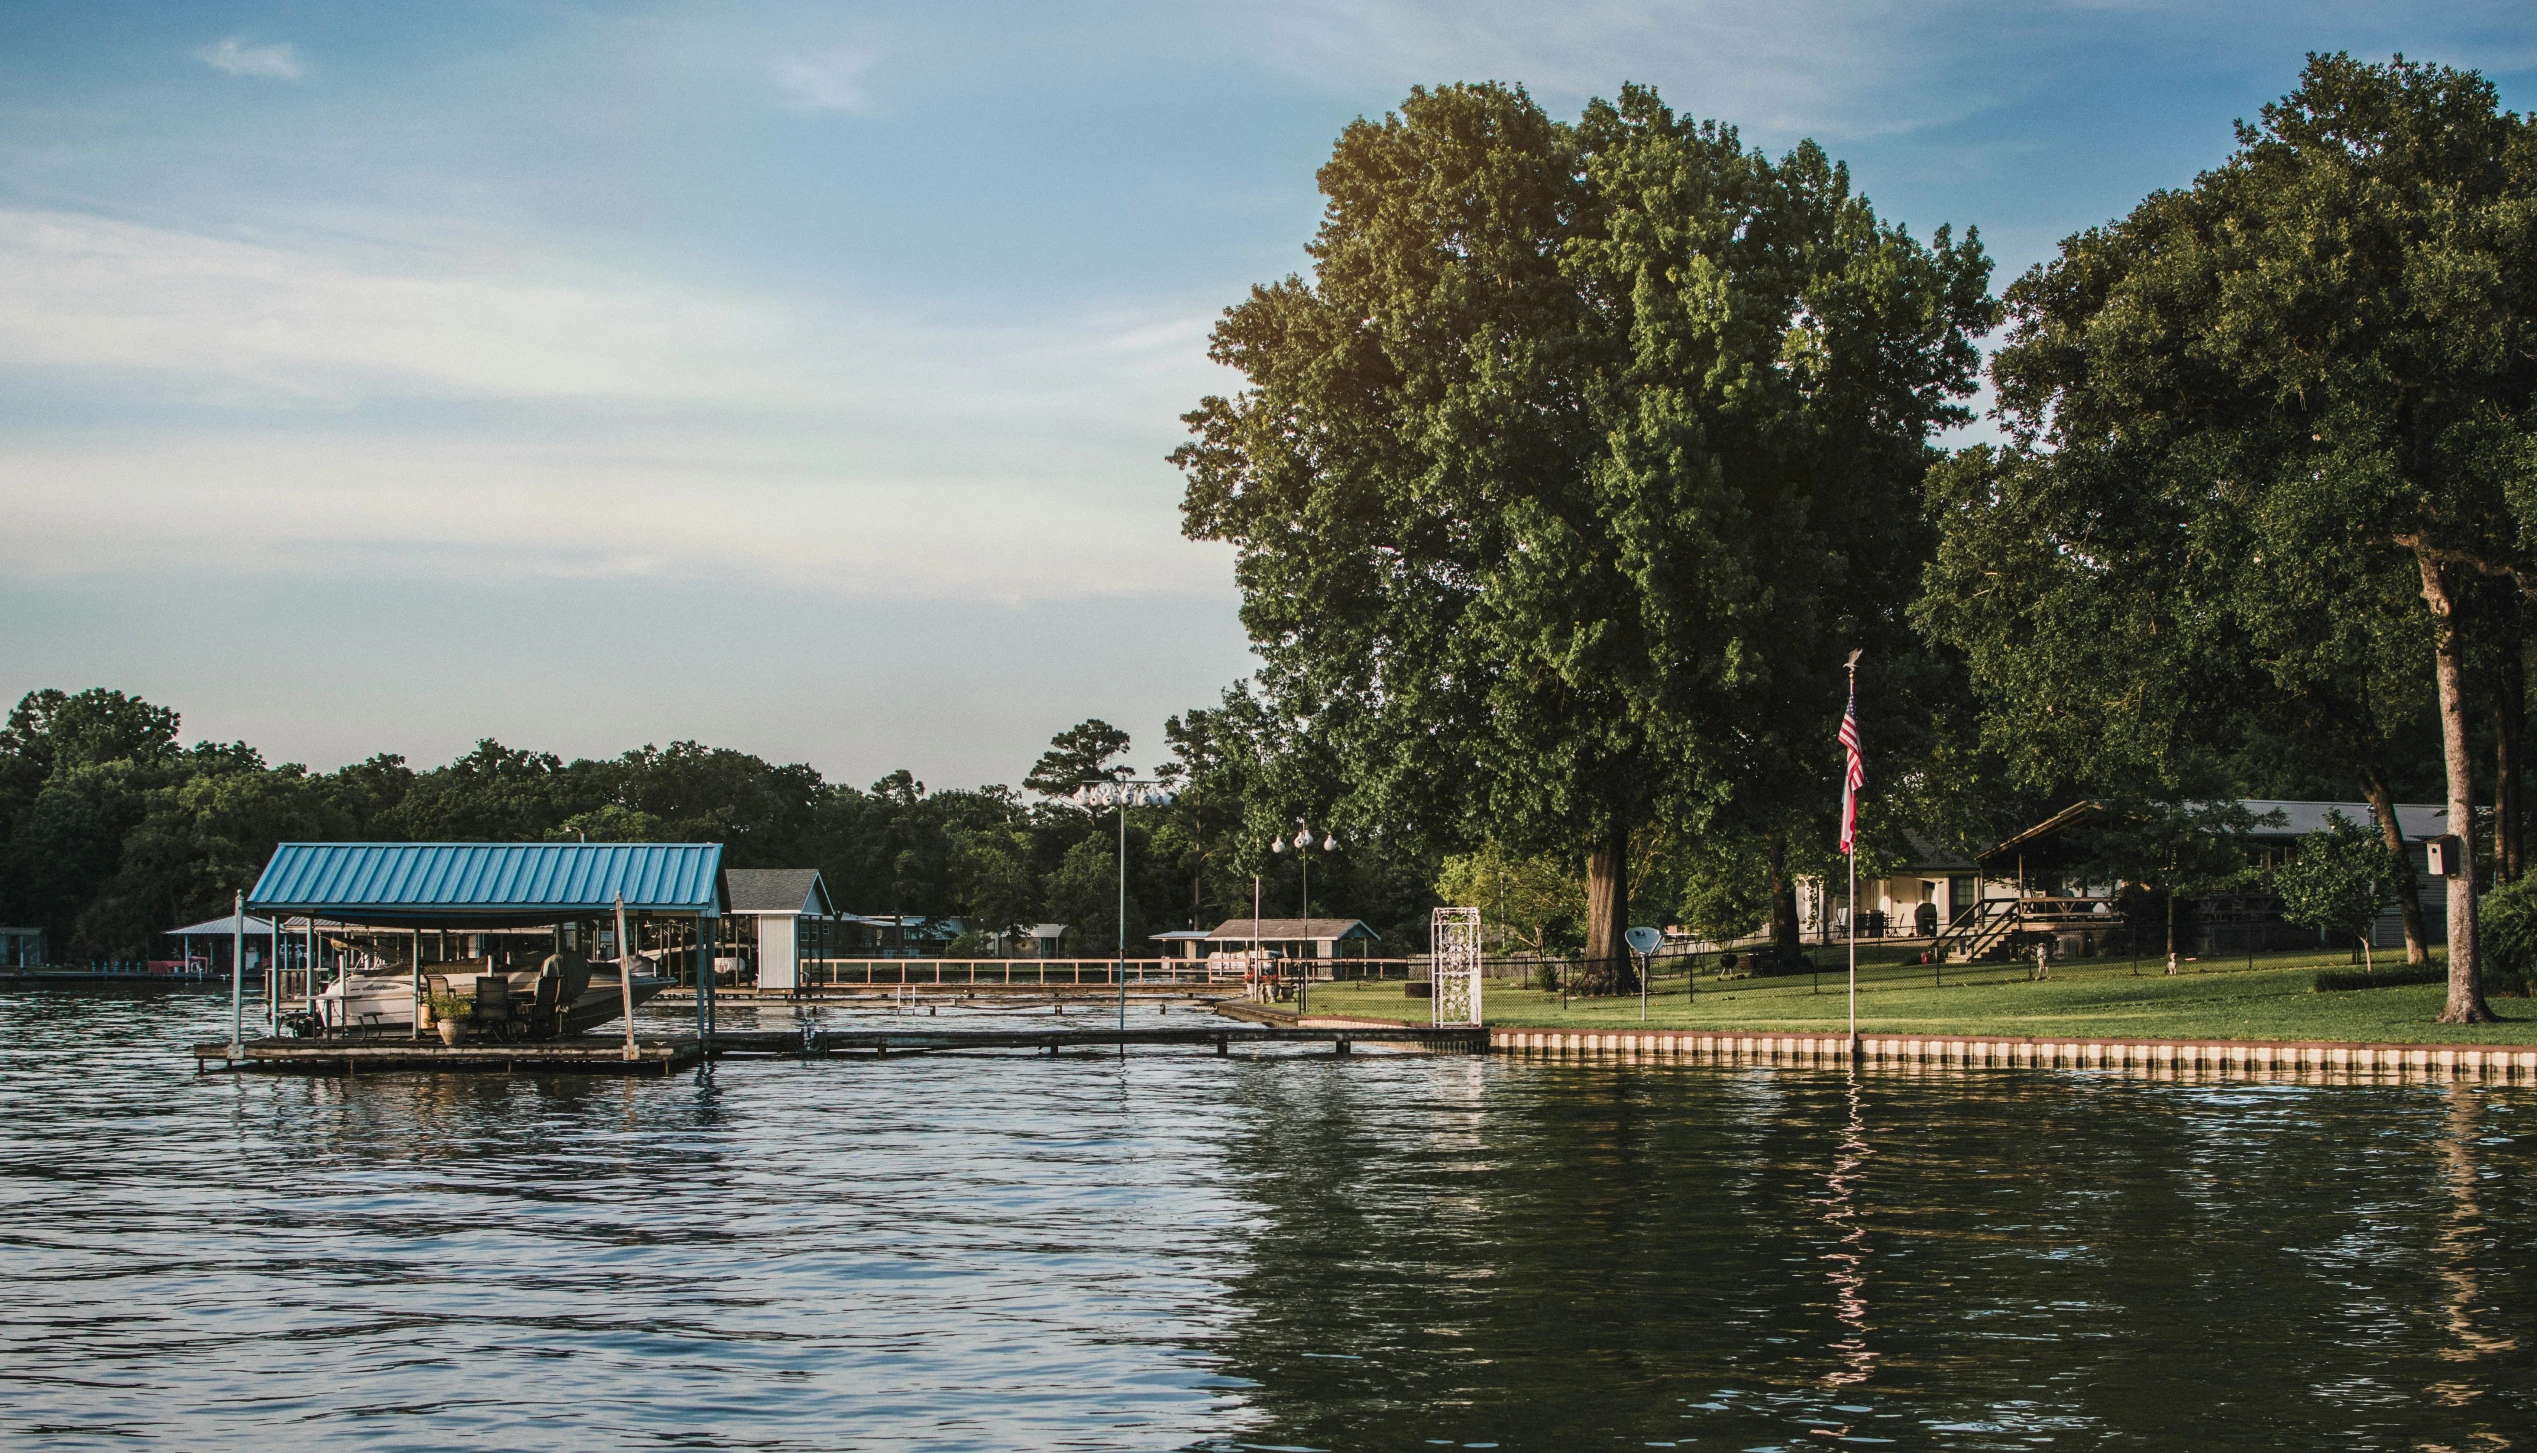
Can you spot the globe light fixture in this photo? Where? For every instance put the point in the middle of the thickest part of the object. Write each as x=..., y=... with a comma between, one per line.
x=1122, y=792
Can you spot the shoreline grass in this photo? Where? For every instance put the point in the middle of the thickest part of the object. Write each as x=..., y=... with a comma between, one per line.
x=2220, y=998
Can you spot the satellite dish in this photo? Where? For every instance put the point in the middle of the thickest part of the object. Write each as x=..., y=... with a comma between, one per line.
x=1645, y=940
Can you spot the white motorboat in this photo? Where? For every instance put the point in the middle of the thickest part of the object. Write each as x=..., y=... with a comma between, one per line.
x=380, y=999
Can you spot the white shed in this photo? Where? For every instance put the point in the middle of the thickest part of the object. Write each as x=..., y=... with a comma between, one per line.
x=780, y=904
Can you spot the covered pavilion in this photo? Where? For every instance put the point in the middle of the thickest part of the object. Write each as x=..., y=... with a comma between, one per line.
x=397, y=894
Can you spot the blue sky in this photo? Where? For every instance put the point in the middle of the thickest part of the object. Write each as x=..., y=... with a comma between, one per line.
x=798, y=378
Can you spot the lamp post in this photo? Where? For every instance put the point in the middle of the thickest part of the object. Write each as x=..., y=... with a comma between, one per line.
x=1304, y=853
x=1122, y=792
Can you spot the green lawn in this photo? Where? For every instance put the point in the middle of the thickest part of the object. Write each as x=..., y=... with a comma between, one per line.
x=2218, y=999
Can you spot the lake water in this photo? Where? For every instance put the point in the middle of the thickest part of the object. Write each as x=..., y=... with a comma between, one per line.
x=1284, y=1250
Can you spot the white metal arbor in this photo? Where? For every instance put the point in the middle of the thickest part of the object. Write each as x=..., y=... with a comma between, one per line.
x=1455, y=977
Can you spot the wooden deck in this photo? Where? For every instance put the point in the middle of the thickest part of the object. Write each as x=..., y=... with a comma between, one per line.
x=597, y=1055
x=1222, y=1038
x=591, y=1054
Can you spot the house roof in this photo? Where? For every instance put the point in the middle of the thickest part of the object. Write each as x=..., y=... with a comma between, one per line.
x=488, y=885
x=1178, y=935
x=1045, y=930
x=1243, y=930
x=2277, y=819
x=2298, y=819
x=1929, y=856
x=776, y=890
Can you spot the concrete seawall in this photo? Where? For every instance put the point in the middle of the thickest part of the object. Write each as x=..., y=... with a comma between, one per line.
x=2205, y=1057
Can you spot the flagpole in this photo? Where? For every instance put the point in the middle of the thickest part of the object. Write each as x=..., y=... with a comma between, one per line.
x=1850, y=809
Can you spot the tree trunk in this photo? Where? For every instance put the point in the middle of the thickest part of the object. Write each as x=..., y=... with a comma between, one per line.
x=2466, y=991
x=1607, y=967
x=2408, y=887
x=2171, y=925
x=2510, y=719
x=1788, y=939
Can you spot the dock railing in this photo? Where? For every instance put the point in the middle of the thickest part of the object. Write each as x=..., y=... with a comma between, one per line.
x=1226, y=969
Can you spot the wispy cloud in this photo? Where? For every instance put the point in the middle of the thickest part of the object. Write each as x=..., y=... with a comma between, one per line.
x=831, y=80
x=588, y=425
x=279, y=61
x=1832, y=67
x=1851, y=69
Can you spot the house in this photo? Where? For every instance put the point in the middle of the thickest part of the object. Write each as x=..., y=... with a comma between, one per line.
x=21, y=948
x=2037, y=881
x=778, y=917
x=1293, y=938
x=1931, y=888
x=901, y=935
x=1037, y=941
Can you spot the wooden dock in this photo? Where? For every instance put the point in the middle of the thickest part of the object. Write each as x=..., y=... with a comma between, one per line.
x=595, y=1054
x=588, y=1054
x=816, y=1042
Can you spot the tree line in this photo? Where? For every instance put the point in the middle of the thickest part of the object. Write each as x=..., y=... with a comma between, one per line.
x=115, y=831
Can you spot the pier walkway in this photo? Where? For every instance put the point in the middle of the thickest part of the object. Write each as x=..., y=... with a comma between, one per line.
x=594, y=1054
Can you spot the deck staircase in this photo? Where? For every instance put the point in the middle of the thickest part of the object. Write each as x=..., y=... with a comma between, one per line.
x=2000, y=927
x=1983, y=933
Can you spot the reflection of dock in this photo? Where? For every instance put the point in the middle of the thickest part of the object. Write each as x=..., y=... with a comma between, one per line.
x=595, y=1055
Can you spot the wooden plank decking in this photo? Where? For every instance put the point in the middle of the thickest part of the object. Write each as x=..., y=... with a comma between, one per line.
x=598, y=1055
x=590, y=1054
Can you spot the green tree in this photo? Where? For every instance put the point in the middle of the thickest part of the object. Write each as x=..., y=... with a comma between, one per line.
x=2316, y=368
x=2338, y=881
x=1077, y=755
x=1725, y=894
x=1535, y=903
x=1564, y=485
x=496, y=794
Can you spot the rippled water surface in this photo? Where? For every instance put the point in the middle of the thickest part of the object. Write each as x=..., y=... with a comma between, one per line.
x=1287, y=1250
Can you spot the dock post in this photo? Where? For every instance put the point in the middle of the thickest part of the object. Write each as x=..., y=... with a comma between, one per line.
x=237, y=974
x=705, y=963
x=625, y=976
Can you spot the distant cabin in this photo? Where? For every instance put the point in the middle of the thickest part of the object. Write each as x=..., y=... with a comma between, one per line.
x=1296, y=938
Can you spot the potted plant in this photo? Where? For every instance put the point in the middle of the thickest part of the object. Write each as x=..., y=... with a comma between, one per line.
x=449, y=1012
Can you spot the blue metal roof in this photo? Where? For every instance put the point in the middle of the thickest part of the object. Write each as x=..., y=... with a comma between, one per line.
x=489, y=884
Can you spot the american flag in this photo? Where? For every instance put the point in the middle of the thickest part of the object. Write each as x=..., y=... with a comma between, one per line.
x=1855, y=777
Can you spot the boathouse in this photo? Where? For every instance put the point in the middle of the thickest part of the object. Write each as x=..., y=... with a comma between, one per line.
x=414, y=904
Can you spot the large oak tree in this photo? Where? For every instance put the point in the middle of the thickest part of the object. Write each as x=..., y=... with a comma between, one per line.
x=1567, y=480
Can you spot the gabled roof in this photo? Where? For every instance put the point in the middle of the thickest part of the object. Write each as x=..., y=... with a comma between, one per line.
x=225, y=925
x=488, y=885
x=2276, y=819
x=776, y=890
x=1928, y=855
x=1273, y=930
